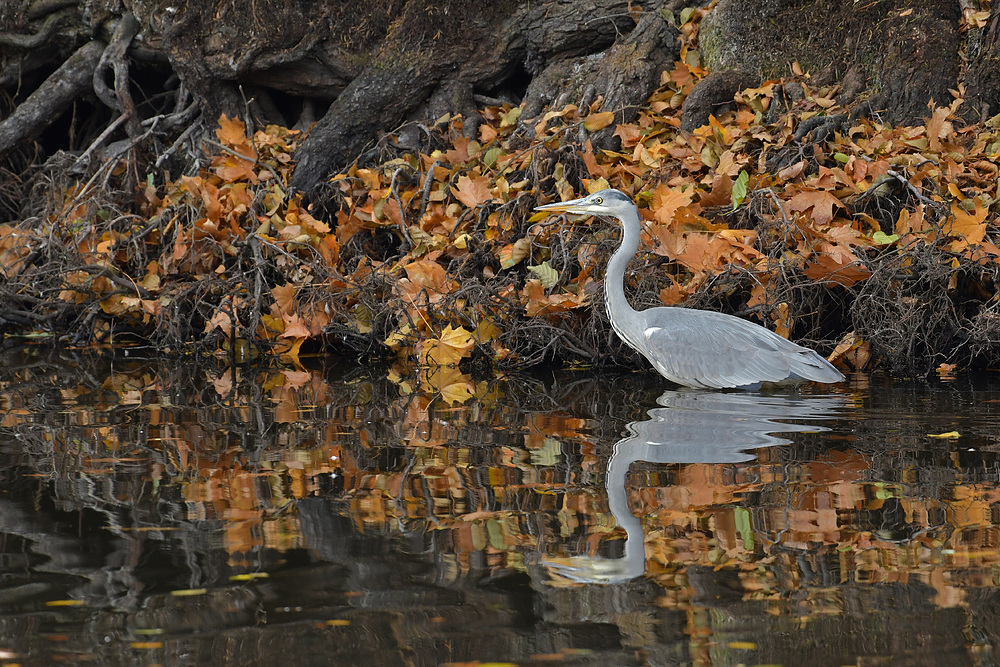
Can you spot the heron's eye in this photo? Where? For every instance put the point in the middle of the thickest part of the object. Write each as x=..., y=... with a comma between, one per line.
x=599, y=200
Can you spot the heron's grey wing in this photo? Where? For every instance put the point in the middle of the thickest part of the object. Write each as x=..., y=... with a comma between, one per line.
x=708, y=349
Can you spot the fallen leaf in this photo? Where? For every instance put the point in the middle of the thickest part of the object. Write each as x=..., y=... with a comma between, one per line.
x=598, y=121
x=546, y=274
x=473, y=191
x=820, y=201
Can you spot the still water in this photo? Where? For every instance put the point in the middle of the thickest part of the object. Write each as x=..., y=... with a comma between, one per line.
x=184, y=514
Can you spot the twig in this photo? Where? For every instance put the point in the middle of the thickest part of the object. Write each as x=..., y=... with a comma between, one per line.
x=428, y=181
x=777, y=203
x=105, y=272
x=84, y=159
x=185, y=135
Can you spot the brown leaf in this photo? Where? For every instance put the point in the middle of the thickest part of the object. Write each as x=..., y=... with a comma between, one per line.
x=825, y=268
x=284, y=297
x=428, y=274
x=513, y=254
x=819, y=201
x=294, y=327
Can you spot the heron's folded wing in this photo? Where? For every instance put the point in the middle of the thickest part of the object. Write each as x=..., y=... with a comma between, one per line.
x=709, y=349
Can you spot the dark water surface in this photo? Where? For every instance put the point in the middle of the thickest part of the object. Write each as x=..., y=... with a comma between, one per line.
x=181, y=514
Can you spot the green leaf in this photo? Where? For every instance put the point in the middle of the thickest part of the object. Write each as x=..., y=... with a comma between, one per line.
x=546, y=274
x=840, y=157
x=882, y=238
x=740, y=189
x=490, y=159
x=744, y=526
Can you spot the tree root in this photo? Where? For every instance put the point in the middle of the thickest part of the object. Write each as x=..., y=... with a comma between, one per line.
x=45, y=104
x=114, y=57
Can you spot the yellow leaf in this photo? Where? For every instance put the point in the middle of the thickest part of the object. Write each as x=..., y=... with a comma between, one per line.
x=598, y=121
x=950, y=435
x=398, y=337
x=447, y=350
x=486, y=331
x=189, y=592
x=457, y=393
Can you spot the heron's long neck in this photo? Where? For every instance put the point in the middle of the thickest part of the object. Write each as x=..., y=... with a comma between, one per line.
x=619, y=310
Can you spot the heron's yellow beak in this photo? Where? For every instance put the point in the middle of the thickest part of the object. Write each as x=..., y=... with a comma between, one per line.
x=571, y=206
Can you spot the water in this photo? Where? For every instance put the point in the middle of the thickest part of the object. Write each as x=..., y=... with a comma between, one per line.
x=181, y=514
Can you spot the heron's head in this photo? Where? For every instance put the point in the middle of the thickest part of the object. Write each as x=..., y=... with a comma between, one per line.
x=604, y=202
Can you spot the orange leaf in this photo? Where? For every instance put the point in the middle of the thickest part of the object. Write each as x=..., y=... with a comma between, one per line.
x=667, y=200
x=473, y=191
x=969, y=226
x=231, y=131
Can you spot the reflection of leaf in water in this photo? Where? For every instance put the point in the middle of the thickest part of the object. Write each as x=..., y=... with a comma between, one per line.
x=548, y=454
x=742, y=517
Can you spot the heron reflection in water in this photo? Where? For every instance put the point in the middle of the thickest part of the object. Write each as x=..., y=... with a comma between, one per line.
x=694, y=348
x=690, y=427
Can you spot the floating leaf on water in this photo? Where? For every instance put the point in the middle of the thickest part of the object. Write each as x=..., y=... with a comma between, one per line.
x=189, y=592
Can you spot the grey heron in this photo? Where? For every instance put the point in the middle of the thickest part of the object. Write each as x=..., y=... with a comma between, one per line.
x=695, y=348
